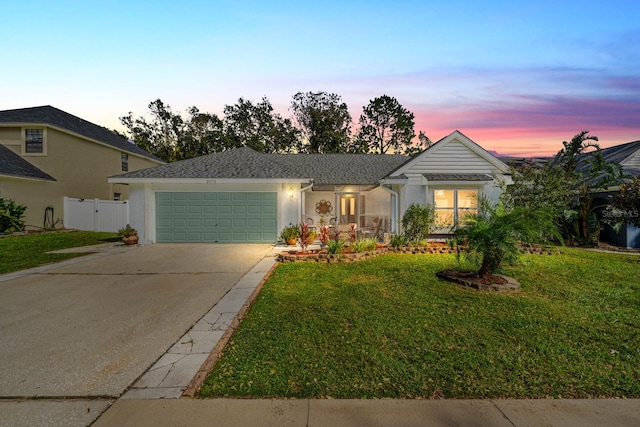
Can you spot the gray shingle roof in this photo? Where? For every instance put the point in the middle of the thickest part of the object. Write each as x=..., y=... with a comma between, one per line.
x=616, y=154
x=341, y=169
x=237, y=163
x=338, y=169
x=620, y=153
x=11, y=164
x=49, y=115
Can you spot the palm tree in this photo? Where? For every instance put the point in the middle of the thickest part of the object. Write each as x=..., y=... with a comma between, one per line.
x=493, y=235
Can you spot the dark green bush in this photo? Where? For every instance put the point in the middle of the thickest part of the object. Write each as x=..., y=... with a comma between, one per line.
x=418, y=222
x=11, y=216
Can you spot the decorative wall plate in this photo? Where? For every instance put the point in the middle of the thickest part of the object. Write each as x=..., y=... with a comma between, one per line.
x=323, y=207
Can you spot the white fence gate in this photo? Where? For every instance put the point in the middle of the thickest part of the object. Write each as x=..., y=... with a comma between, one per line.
x=95, y=214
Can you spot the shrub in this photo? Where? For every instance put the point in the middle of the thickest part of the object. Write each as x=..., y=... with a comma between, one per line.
x=11, y=216
x=335, y=246
x=127, y=231
x=290, y=232
x=492, y=236
x=364, y=245
x=418, y=222
x=324, y=235
x=353, y=233
x=306, y=236
x=398, y=240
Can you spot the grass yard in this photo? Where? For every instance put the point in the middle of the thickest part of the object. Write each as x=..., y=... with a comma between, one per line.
x=388, y=327
x=20, y=252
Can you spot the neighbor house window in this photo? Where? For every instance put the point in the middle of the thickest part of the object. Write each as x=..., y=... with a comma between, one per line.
x=452, y=205
x=34, y=141
x=116, y=197
x=124, y=159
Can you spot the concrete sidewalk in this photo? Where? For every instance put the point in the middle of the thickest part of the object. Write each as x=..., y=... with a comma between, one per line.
x=261, y=412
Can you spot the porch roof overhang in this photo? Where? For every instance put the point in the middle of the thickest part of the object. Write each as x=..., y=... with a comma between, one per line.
x=398, y=179
x=341, y=187
x=457, y=177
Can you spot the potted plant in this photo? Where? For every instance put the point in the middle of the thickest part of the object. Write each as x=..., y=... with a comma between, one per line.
x=290, y=234
x=129, y=235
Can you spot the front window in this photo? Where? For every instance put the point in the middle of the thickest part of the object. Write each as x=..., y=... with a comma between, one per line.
x=33, y=141
x=124, y=159
x=453, y=205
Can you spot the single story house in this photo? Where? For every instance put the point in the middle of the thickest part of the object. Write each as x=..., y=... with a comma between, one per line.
x=47, y=154
x=240, y=195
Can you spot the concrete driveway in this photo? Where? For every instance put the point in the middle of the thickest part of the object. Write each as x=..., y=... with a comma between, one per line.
x=85, y=330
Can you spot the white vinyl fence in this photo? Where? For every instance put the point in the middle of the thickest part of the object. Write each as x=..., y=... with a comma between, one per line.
x=95, y=214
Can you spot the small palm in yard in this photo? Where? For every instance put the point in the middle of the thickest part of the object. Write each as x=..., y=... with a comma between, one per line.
x=492, y=236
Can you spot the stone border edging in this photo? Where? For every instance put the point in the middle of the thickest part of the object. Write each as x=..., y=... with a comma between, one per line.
x=512, y=284
x=198, y=380
x=325, y=258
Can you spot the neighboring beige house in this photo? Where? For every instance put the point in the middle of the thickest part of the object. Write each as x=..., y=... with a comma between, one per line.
x=46, y=154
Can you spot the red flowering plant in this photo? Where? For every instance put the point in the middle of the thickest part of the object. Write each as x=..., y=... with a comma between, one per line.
x=324, y=235
x=306, y=237
x=353, y=233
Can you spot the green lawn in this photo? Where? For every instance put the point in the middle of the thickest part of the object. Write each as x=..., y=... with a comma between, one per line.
x=29, y=250
x=388, y=327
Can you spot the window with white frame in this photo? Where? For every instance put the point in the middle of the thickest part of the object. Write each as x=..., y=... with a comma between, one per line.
x=34, y=141
x=452, y=205
x=124, y=160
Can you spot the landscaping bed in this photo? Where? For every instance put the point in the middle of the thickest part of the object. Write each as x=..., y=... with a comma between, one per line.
x=321, y=256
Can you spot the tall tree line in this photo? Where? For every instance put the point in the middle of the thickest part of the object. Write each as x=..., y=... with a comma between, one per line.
x=320, y=123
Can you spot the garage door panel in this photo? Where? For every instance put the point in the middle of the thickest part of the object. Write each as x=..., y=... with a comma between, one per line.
x=224, y=223
x=224, y=209
x=268, y=210
x=195, y=236
x=269, y=224
x=195, y=223
x=254, y=223
x=239, y=223
x=179, y=223
x=216, y=217
x=254, y=210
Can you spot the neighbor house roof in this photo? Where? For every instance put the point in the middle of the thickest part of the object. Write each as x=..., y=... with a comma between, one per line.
x=627, y=155
x=323, y=169
x=11, y=164
x=48, y=115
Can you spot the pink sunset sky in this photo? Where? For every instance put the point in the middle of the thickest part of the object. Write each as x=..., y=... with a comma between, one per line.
x=517, y=78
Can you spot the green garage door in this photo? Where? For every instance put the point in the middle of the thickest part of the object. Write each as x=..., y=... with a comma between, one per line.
x=216, y=217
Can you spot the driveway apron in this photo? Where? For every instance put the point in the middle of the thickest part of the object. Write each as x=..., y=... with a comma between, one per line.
x=85, y=331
